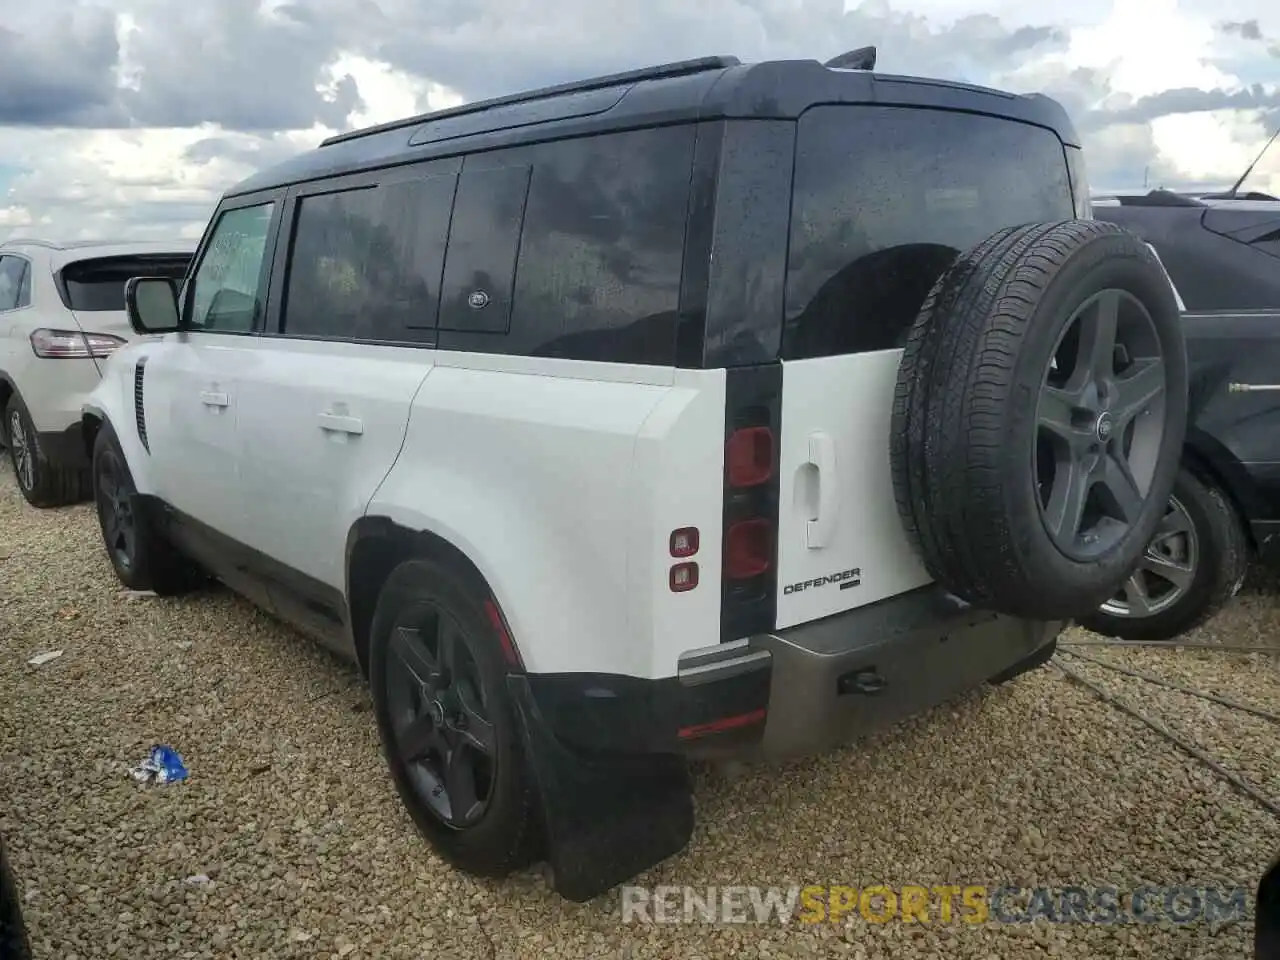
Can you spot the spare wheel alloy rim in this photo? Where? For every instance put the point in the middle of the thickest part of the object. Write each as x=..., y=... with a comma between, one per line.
x=1099, y=424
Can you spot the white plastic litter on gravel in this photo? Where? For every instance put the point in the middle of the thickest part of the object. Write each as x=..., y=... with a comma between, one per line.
x=287, y=839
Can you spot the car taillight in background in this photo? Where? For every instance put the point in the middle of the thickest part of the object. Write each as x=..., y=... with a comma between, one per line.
x=73, y=345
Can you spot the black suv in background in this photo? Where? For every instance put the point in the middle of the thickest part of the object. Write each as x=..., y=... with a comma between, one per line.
x=1223, y=254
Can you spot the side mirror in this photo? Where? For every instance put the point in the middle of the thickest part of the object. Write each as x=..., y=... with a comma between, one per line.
x=152, y=303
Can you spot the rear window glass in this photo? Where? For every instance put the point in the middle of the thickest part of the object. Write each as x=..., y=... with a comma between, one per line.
x=885, y=198
x=98, y=285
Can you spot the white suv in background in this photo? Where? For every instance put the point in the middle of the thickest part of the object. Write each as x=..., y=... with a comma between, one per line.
x=61, y=313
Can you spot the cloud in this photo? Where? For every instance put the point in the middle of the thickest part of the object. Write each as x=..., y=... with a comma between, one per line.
x=1248, y=29
x=59, y=70
x=132, y=116
x=1187, y=100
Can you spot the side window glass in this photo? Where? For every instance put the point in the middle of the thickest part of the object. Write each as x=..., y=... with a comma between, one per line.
x=227, y=291
x=479, y=271
x=24, y=286
x=366, y=263
x=603, y=248
x=11, y=273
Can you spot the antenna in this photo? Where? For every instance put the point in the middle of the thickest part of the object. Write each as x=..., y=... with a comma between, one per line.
x=1230, y=194
x=864, y=58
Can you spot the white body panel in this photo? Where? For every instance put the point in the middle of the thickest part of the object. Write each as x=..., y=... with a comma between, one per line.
x=192, y=406
x=307, y=476
x=836, y=503
x=562, y=481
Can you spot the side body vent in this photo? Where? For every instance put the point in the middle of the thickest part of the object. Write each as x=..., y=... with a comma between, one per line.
x=139, y=411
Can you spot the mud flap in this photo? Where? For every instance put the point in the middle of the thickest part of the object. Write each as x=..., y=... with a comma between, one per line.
x=607, y=818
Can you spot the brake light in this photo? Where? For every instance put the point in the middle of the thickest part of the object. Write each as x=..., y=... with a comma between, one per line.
x=748, y=549
x=749, y=456
x=73, y=345
x=749, y=516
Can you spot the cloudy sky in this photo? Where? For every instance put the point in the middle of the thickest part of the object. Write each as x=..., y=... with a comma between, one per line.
x=127, y=118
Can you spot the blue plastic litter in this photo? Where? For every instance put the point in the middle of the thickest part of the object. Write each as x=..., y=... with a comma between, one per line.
x=163, y=765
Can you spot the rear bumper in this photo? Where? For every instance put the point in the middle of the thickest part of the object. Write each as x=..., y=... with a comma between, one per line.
x=796, y=691
x=854, y=674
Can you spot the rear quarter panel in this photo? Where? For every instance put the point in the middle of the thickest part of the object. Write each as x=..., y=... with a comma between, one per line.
x=561, y=481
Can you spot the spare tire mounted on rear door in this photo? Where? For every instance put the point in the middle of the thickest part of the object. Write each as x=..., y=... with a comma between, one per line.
x=1039, y=417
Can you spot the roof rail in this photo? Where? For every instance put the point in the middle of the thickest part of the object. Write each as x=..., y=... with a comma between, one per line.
x=659, y=72
x=34, y=242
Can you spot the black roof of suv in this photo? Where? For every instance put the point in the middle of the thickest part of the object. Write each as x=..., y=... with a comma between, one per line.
x=708, y=88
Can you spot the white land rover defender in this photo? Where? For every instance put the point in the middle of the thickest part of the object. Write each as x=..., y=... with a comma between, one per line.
x=708, y=409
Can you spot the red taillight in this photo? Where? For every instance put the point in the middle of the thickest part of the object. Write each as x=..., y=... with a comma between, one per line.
x=683, y=576
x=748, y=456
x=684, y=542
x=748, y=549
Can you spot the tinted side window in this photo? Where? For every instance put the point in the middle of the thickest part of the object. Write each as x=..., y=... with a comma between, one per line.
x=366, y=262
x=24, y=288
x=885, y=198
x=599, y=259
x=228, y=291
x=98, y=285
x=13, y=272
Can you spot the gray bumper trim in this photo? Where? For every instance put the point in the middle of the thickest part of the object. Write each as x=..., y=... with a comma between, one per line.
x=848, y=675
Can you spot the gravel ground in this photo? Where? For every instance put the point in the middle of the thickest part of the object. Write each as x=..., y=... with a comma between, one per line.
x=291, y=816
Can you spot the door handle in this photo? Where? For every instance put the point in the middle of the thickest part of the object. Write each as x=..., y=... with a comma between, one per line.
x=339, y=423
x=822, y=454
x=213, y=399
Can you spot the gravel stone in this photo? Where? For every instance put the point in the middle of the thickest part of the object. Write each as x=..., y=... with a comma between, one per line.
x=288, y=841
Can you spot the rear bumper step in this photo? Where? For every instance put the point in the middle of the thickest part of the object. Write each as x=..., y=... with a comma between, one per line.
x=859, y=672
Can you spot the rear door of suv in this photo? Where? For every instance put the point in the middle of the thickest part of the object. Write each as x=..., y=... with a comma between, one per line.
x=349, y=340
x=884, y=199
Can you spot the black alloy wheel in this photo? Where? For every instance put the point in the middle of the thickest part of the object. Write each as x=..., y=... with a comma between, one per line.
x=438, y=708
x=1100, y=424
x=114, y=500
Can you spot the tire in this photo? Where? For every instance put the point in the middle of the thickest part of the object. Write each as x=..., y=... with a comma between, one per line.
x=1212, y=553
x=41, y=482
x=418, y=596
x=1003, y=415
x=140, y=555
